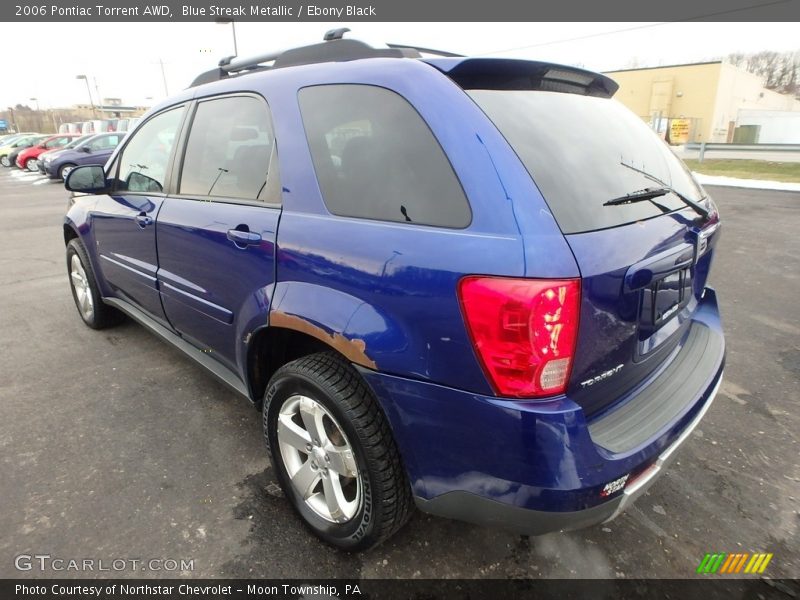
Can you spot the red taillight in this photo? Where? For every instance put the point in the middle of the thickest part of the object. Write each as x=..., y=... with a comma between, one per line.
x=523, y=330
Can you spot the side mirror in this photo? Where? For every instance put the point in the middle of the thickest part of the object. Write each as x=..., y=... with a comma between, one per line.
x=89, y=179
x=86, y=149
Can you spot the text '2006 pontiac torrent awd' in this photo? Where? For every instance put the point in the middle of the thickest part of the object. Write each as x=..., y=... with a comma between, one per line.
x=472, y=285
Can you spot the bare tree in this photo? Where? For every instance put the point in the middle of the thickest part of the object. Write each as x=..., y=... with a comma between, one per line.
x=780, y=70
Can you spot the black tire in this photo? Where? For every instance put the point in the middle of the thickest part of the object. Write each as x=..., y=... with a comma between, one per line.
x=27, y=165
x=61, y=170
x=102, y=315
x=4, y=161
x=385, y=501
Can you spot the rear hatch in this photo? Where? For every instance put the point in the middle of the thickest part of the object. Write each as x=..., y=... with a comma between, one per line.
x=638, y=259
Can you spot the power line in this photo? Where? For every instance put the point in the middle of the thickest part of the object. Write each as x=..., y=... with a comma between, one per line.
x=581, y=37
x=636, y=27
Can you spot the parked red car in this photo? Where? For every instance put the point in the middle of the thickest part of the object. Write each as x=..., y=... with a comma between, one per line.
x=28, y=157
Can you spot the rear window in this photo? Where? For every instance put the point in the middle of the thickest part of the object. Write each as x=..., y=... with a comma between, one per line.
x=576, y=148
x=375, y=158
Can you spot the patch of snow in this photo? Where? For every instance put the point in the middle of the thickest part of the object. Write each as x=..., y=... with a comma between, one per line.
x=759, y=184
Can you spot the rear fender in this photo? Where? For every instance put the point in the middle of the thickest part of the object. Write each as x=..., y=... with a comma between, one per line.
x=355, y=329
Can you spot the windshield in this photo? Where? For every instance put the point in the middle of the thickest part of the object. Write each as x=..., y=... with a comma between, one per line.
x=578, y=150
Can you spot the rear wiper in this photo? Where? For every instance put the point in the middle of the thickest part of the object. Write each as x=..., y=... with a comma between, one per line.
x=649, y=193
x=639, y=196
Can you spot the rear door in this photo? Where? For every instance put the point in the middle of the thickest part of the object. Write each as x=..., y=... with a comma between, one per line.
x=643, y=264
x=123, y=222
x=217, y=234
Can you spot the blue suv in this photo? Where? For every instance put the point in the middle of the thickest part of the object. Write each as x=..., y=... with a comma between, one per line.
x=473, y=285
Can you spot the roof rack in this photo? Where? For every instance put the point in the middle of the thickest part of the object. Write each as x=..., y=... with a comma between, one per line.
x=334, y=48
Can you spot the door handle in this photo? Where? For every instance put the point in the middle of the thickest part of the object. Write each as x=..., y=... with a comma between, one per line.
x=244, y=238
x=143, y=220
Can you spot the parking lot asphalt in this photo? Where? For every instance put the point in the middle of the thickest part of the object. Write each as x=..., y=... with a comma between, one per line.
x=115, y=446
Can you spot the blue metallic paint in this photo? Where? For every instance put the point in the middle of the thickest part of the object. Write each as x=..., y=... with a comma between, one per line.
x=610, y=328
x=210, y=287
x=126, y=247
x=385, y=294
x=534, y=455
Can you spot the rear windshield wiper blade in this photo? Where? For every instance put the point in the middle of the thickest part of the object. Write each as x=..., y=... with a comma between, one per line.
x=697, y=207
x=638, y=196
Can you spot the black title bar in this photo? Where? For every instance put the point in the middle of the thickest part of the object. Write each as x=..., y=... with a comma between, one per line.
x=396, y=10
x=711, y=588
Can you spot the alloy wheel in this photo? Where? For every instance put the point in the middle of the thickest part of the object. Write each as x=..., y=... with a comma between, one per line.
x=80, y=284
x=319, y=459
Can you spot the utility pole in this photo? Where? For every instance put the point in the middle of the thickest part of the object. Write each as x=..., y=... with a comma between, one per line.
x=13, y=119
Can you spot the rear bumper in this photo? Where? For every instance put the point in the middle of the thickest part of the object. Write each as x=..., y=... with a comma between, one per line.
x=532, y=467
x=466, y=506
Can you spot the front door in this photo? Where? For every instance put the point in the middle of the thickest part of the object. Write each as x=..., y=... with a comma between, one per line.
x=124, y=222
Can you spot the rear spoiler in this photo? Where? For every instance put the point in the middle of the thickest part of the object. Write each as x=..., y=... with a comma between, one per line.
x=514, y=74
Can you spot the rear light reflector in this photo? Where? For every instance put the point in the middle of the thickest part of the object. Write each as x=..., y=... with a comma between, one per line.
x=523, y=330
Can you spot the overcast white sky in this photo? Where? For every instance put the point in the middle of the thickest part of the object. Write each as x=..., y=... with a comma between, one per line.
x=42, y=59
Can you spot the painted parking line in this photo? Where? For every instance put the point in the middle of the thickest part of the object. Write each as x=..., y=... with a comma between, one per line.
x=29, y=177
x=24, y=175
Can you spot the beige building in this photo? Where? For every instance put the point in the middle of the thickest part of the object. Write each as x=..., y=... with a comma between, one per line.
x=700, y=101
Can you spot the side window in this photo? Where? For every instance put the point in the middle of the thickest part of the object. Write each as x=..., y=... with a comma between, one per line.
x=105, y=142
x=231, y=151
x=99, y=143
x=376, y=158
x=143, y=161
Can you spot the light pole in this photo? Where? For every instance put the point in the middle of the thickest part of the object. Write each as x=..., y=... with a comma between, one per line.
x=89, y=90
x=38, y=115
x=99, y=98
x=163, y=77
x=224, y=21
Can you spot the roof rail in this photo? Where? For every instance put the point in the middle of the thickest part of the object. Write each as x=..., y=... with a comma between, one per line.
x=334, y=48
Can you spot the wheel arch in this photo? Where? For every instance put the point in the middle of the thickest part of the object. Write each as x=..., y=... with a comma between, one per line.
x=69, y=233
x=305, y=318
x=269, y=348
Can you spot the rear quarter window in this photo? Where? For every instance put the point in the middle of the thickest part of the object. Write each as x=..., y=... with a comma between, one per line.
x=375, y=158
